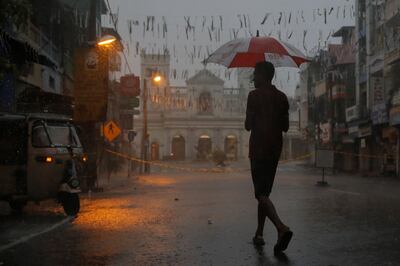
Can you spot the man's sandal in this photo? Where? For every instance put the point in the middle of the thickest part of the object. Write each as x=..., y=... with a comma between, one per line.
x=283, y=241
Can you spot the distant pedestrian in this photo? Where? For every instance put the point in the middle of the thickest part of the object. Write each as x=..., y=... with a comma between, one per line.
x=267, y=116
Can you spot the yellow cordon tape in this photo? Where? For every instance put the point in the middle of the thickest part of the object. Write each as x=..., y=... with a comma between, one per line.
x=360, y=155
x=164, y=165
x=198, y=170
x=225, y=170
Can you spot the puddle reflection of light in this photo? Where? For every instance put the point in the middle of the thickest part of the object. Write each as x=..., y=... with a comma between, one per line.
x=109, y=214
x=159, y=180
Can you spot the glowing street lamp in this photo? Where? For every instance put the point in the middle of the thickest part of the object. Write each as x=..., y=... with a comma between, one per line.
x=157, y=79
x=105, y=40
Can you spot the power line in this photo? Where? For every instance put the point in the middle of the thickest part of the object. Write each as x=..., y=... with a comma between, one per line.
x=115, y=28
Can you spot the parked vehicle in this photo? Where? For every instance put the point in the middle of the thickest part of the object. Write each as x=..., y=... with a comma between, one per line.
x=40, y=155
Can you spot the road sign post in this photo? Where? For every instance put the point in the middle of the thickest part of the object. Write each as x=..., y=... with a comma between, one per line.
x=324, y=159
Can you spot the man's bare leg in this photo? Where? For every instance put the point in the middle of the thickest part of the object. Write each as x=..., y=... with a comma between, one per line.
x=267, y=209
x=261, y=219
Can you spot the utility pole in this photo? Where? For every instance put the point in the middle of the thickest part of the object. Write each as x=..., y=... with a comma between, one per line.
x=145, y=168
x=156, y=78
x=332, y=117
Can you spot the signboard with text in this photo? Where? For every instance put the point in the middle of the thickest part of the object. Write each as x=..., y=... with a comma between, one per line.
x=325, y=132
x=91, y=84
x=130, y=85
x=379, y=114
x=324, y=158
x=395, y=115
x=378, y=90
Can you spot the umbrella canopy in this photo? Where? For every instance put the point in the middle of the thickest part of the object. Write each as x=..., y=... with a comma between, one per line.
x=247, y=52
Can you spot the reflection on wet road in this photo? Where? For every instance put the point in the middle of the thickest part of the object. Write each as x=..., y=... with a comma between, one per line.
x=209, y=219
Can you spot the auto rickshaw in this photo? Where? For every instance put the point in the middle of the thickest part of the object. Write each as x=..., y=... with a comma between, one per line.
x=39, y=159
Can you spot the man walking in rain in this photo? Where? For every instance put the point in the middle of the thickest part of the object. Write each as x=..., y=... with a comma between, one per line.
x=267, y=116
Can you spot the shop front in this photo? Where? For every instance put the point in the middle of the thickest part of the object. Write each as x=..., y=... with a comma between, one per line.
x=394, y=118
x=365, y=148
x=389, y=144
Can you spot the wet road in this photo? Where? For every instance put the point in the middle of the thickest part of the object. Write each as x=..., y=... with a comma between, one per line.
x=209, y=219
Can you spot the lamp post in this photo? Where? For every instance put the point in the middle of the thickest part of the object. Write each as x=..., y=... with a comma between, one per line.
x=145, y=136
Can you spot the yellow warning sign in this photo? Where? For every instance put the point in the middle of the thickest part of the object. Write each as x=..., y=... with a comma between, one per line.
x=111, y=130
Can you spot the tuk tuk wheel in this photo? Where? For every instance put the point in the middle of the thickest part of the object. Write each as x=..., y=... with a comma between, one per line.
x=70, y=203
x=17, y=205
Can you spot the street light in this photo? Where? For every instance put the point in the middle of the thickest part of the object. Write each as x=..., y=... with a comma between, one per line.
x=106, y=39
x=157, y=79
x=145, y=136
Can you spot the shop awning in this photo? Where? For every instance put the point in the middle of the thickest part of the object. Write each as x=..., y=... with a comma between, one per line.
x=35, y=100
x=20, y=52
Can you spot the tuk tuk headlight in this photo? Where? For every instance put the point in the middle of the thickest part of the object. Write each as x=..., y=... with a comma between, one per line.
x=45, y=159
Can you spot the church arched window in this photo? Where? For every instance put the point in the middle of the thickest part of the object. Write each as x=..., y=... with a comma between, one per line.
x=205, y=103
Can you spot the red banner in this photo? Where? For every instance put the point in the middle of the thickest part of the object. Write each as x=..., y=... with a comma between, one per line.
x=130, y=85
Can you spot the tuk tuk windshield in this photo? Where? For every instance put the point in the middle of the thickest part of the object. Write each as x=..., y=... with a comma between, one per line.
x=58, y=135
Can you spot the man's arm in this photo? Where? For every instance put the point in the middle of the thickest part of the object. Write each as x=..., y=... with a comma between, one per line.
x=250, y=113
x=285, y=115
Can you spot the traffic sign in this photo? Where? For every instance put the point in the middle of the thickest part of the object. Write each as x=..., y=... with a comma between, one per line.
x=111, y=130
x=131, y=135
x=135, y=102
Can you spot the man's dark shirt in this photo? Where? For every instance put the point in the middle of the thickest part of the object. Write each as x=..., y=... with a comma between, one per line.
x=267, y=116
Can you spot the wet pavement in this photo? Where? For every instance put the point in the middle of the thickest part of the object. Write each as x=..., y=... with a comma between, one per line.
x=209, y=219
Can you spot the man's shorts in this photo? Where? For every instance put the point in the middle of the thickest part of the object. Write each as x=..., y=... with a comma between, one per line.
x=263, y=175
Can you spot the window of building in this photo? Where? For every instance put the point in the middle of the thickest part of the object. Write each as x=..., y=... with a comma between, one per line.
x=52, y=82
x=205, y=103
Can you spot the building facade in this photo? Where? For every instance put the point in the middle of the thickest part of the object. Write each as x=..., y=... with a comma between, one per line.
x=192, y=121
x=41, y=51
x=349, y=93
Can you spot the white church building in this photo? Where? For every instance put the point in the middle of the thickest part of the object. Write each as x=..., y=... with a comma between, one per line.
x=190, y=122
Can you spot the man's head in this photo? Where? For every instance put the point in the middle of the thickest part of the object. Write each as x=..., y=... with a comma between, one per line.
x=263, y=74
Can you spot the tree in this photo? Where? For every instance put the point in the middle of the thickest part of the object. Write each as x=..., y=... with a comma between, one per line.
x=12, y=12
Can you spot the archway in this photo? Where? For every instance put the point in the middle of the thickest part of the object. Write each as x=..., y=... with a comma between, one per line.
x=204, y=147
x=155, y=151
x=178, y=148
x=231, y=147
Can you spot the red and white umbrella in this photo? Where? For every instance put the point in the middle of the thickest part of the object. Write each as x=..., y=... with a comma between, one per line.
x=247, y=52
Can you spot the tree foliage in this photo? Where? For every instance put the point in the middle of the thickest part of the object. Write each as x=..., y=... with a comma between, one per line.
x=14, y=12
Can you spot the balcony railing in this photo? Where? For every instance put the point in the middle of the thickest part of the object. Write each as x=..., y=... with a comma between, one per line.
x=39, y=41
x=393, y=53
